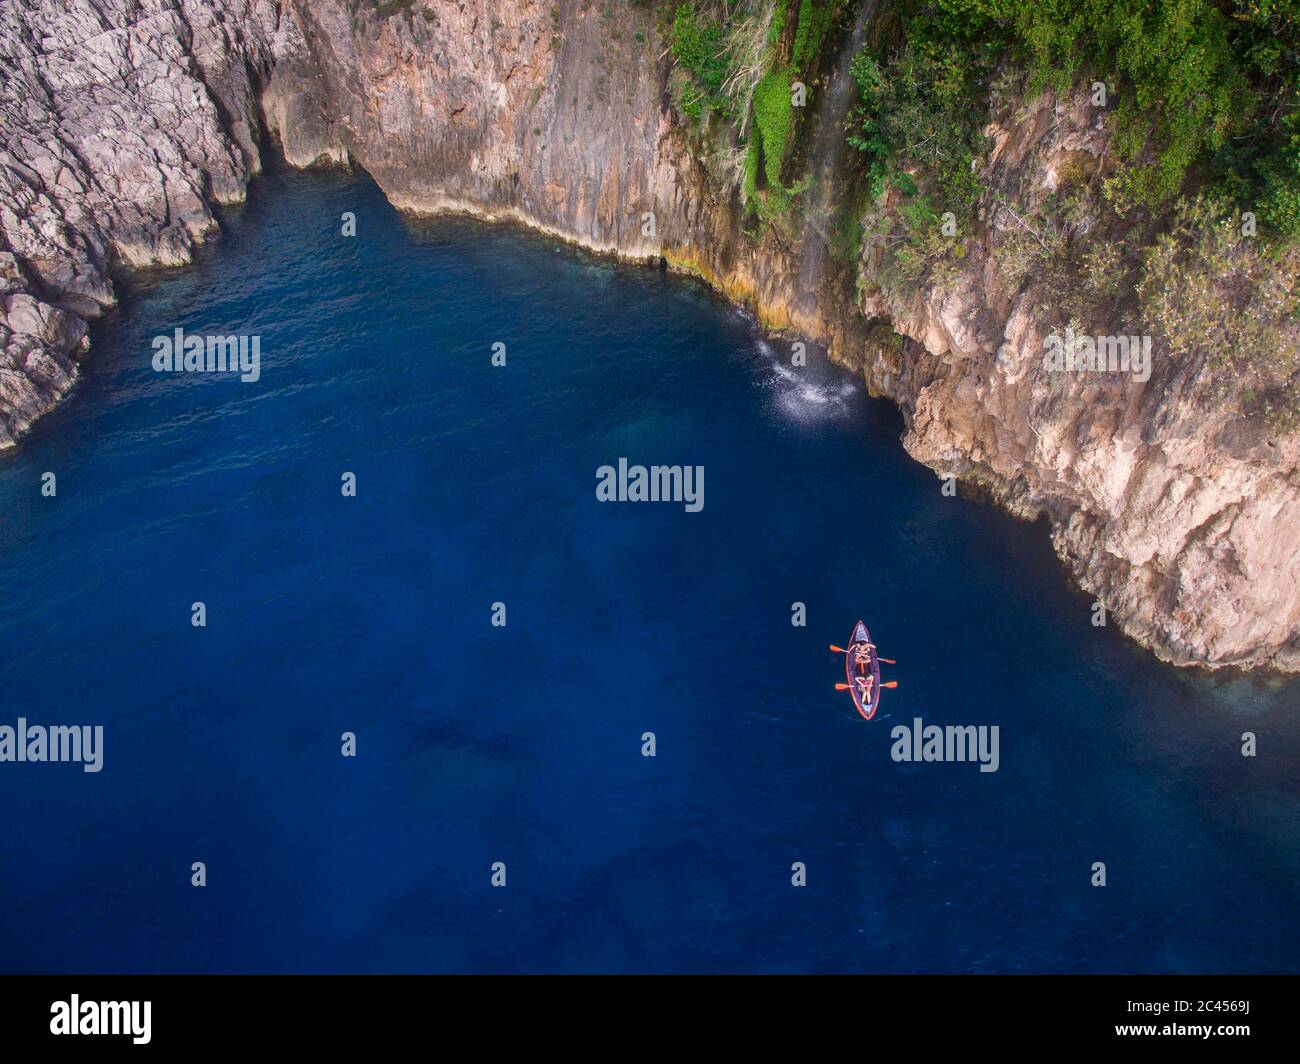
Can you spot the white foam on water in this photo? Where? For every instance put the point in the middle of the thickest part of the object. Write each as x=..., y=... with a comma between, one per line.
x=803, y=393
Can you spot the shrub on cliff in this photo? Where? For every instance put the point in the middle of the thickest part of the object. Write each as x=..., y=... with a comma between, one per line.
x=725, y=50
x=1180, y=87
x=1213, y=82
x=1201, y=89
x=1230, y=299
x=1280, y=204
x=919, y=125
x=921, y=110
x=698, y=47
x=740, y=60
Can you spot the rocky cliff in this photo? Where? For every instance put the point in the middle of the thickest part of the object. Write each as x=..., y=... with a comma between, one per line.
x=120, y=124
x=123, y=121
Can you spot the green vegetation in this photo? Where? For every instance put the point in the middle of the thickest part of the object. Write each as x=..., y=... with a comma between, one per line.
x=773, y=117
x=1230, y=301
x=923, y=91
x=698, y=48
x=777, y=26
x=749, y=184
x=920, y=117
x=1206, y=91
x=737, y=62
x=1203, y=97
x=1197, y=80
x=1073, y=283
x=1202, y=102
x=814, y=25
x=846, y=232
x=925, y=249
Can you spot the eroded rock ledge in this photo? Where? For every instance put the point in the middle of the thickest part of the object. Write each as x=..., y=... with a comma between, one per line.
x=121, y=123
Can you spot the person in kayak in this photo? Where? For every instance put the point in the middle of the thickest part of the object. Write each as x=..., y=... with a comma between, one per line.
x=862, y=654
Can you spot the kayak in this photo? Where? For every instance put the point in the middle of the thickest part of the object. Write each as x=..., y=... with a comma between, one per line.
x=862, y=667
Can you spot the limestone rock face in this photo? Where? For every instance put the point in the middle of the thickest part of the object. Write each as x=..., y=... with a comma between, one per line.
x=122, y=121
x=548, y=112
x=1184, y=521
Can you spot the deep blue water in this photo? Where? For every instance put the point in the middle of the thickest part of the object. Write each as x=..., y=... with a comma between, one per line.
x=523, y=744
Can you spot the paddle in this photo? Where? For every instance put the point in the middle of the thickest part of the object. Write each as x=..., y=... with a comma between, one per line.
x=841, y=650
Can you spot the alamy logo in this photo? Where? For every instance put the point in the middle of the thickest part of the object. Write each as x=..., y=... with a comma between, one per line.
x=638, y=483
x=180, y=353
x=58, y=742
x=1075, y=353
x=956, y=742
x=102, y=1017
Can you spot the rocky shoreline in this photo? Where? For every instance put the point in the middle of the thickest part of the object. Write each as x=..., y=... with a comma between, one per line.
x=122, y=122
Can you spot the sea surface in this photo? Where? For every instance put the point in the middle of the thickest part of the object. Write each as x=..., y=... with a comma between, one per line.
x=523, y=744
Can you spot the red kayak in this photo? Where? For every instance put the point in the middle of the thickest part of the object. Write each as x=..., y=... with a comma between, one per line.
x=862, y=666
x=862, y=670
